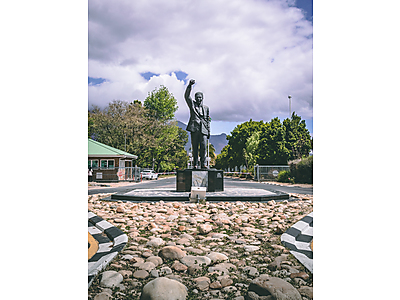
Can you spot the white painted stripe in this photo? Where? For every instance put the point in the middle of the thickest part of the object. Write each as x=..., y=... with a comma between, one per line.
x=299, y=245
x=105, y=247
x=91, y=215
x=301, y=225
x=123, y=238
x=103, y=225
x=94, y=230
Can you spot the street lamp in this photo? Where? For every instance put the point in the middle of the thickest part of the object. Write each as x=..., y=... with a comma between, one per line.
x=290, y=106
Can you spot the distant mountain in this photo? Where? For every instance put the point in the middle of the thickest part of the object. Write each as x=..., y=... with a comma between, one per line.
x=218, y=140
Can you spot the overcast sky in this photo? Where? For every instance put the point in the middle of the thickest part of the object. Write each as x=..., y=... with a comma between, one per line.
x=246, y=56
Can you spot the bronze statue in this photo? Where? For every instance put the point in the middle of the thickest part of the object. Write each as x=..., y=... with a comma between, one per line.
x=199, y=125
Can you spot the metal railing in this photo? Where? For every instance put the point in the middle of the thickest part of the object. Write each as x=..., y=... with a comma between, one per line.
x=264, y=173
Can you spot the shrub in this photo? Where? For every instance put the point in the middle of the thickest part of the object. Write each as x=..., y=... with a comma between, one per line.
x=302, y=169
x=285, y=176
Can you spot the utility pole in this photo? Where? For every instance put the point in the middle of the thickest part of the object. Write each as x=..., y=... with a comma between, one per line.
x=290, y=106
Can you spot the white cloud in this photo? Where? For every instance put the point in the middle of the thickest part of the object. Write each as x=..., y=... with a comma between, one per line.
x=246, y=56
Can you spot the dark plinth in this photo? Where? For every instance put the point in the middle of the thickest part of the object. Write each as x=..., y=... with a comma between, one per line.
x=212, y=179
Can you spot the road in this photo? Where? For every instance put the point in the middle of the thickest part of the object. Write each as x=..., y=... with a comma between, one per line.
x=228, y=183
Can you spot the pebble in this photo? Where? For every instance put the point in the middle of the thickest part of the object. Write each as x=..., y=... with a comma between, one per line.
x=111, y=279
x=217, y=250
x=164, y=289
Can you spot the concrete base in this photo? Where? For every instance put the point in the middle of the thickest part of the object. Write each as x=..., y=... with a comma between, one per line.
x=211, y=179
x=229, y=194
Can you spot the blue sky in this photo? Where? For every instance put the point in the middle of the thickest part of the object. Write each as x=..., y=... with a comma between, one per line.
x=246, y=56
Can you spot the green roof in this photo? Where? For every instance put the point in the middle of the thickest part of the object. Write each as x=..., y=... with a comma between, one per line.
x=98, y=149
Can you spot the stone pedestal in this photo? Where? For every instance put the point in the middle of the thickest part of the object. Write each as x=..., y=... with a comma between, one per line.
x=212, y=179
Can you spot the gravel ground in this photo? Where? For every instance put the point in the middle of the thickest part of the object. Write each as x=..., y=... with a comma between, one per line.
x=216, y=250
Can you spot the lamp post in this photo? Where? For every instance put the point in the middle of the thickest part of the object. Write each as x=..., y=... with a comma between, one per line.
x=290, y=106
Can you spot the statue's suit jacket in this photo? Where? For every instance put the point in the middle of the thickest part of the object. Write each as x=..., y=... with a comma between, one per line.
x=198, y=115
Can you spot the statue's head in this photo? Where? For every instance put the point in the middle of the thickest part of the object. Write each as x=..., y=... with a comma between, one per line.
x=198, y=97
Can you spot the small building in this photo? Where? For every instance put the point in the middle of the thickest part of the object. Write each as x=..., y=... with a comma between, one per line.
x=110, y=164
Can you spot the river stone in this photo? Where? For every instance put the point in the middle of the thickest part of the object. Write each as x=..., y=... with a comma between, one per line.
x=306, y=291
x=171, y=252
x=277, y=287
x=103, y=296
x=156, y=242
x=191, y=260
x=156, y=260
x=141, y=274
x=164, y=289
x=205, y=228
x=216, y=257
x=147, y=266
x=249, y=248
x=111, y=279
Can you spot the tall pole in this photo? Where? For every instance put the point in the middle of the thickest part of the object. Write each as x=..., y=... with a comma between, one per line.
x=290, y=106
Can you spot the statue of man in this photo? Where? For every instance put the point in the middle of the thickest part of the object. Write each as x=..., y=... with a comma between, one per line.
x=199, y=125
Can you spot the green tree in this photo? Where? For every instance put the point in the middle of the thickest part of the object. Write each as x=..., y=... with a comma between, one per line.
x=251, y=150
x=297, y=137
x=130, y=127
x=272, y=146
x=238, y=139
x=224, y=160
x=161, y=104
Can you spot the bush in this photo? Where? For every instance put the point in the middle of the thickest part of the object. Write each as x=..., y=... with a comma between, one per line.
x=285, y=176
x=302, y=169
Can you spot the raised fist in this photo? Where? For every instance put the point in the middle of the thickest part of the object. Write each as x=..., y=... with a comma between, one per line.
x=192, y=81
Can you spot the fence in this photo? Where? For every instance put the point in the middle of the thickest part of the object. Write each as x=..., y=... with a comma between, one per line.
x=117, y=174
x=263, y=173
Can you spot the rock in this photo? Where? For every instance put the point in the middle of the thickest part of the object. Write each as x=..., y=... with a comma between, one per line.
x=171, y=252
x=205, y=228
x=156, y=260
x=125, y=273
x=163, y=289
x=276, y=264
x=147, y=254
x=127, y=257
x=248, y=248
x=226, y=281
x=103, y=296
x=274, y=286
x=251, y=271
x=302, y=275
x=177, y=266
x=154, y=273
x=202, y=283
x=191, y=260
x=216, y=257
x=120, y=209
x=111, y=279
x=141, y=274
x=215, y=285
x=156, y=242
x=165, y=271
x=306, y=291
x=119, y=220
x=147, y=266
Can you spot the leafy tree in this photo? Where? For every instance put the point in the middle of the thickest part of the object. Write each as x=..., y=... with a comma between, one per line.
x=223, y=160
x=238, y=139
x=251, y=150
x=161, y=104
x=272, y=146
x=150, y=134
x=297, y=137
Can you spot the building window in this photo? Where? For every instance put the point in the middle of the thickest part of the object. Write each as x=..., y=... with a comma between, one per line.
x=107, y=164
x=94, y=163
